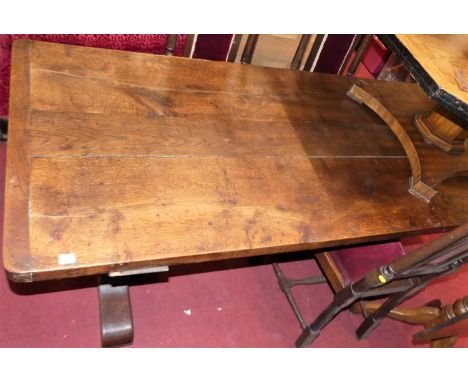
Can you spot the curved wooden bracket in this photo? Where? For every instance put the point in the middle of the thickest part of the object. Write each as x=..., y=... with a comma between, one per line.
x=416, y=186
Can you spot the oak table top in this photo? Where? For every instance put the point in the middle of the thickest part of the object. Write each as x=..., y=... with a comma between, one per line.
x=120, y=160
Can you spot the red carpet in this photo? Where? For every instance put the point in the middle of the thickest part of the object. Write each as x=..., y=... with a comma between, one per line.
x=232, y=304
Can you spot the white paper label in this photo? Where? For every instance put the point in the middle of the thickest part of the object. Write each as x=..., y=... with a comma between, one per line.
x=66, y=258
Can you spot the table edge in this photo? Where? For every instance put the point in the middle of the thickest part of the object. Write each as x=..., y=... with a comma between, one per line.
x=17, y=259
x=424, y=79
x=99, y=269
x=16, y=254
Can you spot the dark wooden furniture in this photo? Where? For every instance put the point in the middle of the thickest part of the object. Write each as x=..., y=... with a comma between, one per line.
x=423, y=181
x=314, y=52
x=343, y=266
x=300, y=51
x=360, y=42
x=296, y=63
x=3, y=129
x=363, y=41
x=439, y=65
x=236, y=40
x=189, y=45
x=123, y=163
x=399, y=279
x=171, y=44
x=115, y=312
x=451, y=323
x=249, y=49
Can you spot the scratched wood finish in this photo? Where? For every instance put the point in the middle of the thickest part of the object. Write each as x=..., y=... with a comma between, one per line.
x=423, y=183
x=438, y=63
x=132, y=160
x=416, y=186
x=442, y=56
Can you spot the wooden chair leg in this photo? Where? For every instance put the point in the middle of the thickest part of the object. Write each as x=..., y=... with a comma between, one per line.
x=364, y=43
x=444, y=330
x=419, y=315
x=286, y=284
x=116, y=314
x=341, y=300
x=298, y=56
x=189, y=45
x=3, y=129
x=374, y=319
x=236, y=40
x=249, y=49
x=444, y=342
x=314, y=52
x=425, y=315
x=171, y=44
x=415, y=316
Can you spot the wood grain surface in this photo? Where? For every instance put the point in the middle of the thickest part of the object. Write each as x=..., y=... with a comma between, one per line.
x=442, y=56
x=121, y=160
x=439, y=64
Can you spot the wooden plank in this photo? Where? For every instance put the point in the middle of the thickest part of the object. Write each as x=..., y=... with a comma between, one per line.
x=129, y=211
x=159, y=72
x=187, y=75
x=73, y=95
x=139, y=160
x=89, y=134
x=77, y=94
x=16, y=254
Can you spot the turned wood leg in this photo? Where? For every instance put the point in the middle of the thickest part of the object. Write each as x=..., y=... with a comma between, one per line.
x=442, y=129
x=444, y=330
x=372, y=321
x=249, y=49
x=116, y=313
x=415, y=316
